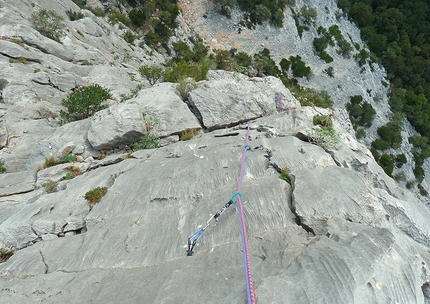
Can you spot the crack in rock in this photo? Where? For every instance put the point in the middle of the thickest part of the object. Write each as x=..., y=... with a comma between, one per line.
x=44, y=262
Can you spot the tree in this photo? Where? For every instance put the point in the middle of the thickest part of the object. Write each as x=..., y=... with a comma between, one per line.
x=225, y=6
x=84, y=102
x=151, y=73
x=48, y=23
x=261, y=13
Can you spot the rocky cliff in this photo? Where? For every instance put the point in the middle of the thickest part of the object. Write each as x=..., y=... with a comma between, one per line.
x=335, y=229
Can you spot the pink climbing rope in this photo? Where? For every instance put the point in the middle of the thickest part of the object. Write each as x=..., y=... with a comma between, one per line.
x=246, y=259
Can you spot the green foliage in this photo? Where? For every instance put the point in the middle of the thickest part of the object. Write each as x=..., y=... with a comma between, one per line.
x=2, y=167
x=68, y=158
x=323, y=121
x=5, y=254
x=97, y=11
x=360, y=133
x=116, y=16
x=177, y=71
x=74, y=15
x=320, y=44
x=130, y=36
x=137, y=17
x=95, y=195
x=324, y=137
x=423, y=192
x=309, y=14
x=148, y=141
x=265, y=65
x=48, y=23
x=360, y=113
x=395, y=32
x=386, y=161
x=300, y=28
x=299, y=68
x=133, y=93
x=68, y=176
x=225, y=6
x=188, y=134
x=3, y=84
x=400, y=177
x=329, y=71
x=400, y=160
x=18, y=41
x=185, y=86
x=84, y=102
x=50, y=186
x=151, y=73
x=310, y=97
x=80, y=3
x=345, y=47
x=284, y=175
x=261, y=11
x=50, y=162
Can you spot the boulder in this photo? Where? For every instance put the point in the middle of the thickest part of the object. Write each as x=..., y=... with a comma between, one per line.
x=170, y=114
x=121, y=124
x=231, y=98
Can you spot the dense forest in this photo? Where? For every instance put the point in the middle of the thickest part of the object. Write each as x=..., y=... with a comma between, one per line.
x=398, y=34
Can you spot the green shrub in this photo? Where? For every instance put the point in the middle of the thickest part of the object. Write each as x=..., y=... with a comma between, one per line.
x=151, y=73
x=17, y=41
x=309, y=14
x=329, y=71
x=49, y=162
x=323, y=120
x=360, y=113
x=116, y=16
x=360, y=133
x=183, y=69
x=423, y=191
x=129, y=37
x=80, y=3
x=185, y=86
x=386, y=161
x=137, y=17
x=84, y=102
x=400, y=160
x=2, y=167
x=311, y=97
x=188, y=134
x=5, y=254
x=50, y=186
x=284, y=175
x=148, y=141
x=74, y=15
x=68, y=158
x=94, y=196
x=48, y=23
x=299, y=68
x=400, y=177
x=68, y=176
x=3, y=84
x=324, y=137
x=97, y=11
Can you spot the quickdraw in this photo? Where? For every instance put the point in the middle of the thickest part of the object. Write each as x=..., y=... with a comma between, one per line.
x=192, y=240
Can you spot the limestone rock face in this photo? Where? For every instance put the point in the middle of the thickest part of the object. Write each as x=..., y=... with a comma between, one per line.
x=339, y=230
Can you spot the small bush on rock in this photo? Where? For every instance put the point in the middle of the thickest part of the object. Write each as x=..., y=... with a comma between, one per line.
x=151, y=73
x=2, y=167
x=48, y=23
x=94, y=196
x=84, y=102
x=50, y=186
x=74, y=15
x=148, y=141
x=5, y=254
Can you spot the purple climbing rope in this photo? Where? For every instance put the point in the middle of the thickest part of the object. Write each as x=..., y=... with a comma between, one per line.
x=246, y=259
